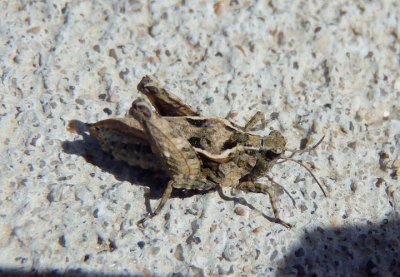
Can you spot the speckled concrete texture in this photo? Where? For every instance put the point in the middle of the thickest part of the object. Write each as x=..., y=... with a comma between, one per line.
x=318, y=67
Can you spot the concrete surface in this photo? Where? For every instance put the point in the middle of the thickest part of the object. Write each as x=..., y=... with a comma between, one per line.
x=323, y=68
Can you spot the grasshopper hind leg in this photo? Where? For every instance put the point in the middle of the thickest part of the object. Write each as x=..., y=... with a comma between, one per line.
x=166, y=103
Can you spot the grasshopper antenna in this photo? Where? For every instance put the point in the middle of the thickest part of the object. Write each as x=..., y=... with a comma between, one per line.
x=304, y=150
x=309, y=171
x=307, y=149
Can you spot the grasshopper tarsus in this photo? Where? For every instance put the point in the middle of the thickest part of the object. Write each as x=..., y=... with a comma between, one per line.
x=283, y=223
x=140, y=223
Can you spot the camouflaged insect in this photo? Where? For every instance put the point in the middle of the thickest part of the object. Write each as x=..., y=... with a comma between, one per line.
x=196, y=152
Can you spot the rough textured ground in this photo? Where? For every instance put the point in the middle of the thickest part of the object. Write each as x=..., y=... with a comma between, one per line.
x=321, y=67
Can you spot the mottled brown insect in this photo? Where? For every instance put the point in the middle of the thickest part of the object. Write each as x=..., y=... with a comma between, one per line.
x=196, y=152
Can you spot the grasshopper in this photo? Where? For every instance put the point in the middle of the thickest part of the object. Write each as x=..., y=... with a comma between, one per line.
x=196, y=152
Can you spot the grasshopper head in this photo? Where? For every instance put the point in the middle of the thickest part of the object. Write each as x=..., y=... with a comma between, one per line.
x=274, y=142
x=272, y=148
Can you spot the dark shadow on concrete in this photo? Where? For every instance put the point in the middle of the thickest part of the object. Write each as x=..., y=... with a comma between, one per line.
x=363, y=250
x=57, y=273
x=367, y=250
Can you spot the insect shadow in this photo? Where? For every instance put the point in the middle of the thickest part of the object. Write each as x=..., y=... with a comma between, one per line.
x=91, y=151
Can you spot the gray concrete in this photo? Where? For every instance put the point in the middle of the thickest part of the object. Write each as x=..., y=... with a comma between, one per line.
x=326, y=68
